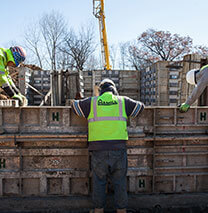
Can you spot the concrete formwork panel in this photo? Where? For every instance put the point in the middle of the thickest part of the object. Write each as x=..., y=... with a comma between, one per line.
x=43, y=153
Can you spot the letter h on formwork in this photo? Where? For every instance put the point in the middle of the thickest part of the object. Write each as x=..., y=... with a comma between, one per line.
x=203, y=116
x=2, y=163
x=55, y=116
x=141, y=183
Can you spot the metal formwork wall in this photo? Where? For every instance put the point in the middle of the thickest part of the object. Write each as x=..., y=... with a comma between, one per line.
x=43, y=152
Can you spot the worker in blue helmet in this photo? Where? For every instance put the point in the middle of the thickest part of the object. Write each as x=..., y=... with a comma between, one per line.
x=11, y=57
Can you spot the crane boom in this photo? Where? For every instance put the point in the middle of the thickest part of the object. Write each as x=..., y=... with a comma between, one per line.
x=98, y=11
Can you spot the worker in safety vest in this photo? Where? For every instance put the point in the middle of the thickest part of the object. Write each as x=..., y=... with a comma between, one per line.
x=11, y=57
x=199, y=78
x=107, y=135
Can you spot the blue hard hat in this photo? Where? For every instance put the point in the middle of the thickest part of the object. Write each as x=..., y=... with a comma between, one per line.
x=19, y=54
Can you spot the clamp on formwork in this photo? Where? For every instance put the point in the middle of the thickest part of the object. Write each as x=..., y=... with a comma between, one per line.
x=9, y=103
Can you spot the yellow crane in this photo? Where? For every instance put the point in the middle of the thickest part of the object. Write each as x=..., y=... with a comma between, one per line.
x=98, y=11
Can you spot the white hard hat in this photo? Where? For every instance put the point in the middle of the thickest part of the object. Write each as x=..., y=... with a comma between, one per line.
x=191, y=76
x=106, y=81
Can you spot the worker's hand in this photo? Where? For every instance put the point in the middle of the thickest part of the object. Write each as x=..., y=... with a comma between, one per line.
x=184, y=107
x=19, y=98
x=24, y=99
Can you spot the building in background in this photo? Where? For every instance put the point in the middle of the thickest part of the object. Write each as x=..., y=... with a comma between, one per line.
x=164, y=83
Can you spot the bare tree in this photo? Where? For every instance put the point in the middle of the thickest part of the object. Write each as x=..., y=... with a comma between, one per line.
x=201, y=50
x=113, y=54
x=92, y=63
x=79, y=46
x=33, y=42
x=130, y=58
x=65, y=61
x=123, y=55
x=53, y=29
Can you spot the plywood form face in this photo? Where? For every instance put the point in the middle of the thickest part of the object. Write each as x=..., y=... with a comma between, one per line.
x=54, y=186
x=30, y=186
x=10, y=116
x=164, y=116
x=202, y=183
x=11, y=187
x=164, y=184
x=185, y=183
x=31, y=119
x=145, y=119
x=79, y=186
x=138, y=161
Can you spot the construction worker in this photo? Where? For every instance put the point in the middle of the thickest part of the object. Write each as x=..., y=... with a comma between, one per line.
x=107, y=135
x=11, y=57
x=199, y=78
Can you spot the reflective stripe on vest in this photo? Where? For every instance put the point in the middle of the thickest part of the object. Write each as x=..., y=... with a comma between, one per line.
x=5, y=55
x=108, y=118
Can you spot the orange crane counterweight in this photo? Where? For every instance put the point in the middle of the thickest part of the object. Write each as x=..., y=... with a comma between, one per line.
x=98, y=11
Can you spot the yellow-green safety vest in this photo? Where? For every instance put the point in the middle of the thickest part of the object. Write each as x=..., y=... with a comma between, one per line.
x=5, y=57
x=107, y=119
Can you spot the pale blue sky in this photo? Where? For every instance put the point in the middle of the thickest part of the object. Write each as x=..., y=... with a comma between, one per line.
x=125, y=19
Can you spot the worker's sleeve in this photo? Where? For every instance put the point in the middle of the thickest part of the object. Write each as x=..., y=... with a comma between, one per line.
x=11, y=83
x=3, y=78
x=82, y=107
x=4, y=81
x=133, y=107
x=202, y=83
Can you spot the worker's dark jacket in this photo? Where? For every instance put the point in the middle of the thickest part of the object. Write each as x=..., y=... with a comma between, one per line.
x=82, y=108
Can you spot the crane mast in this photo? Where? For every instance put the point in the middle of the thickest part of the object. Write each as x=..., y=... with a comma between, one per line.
x=98, y=11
